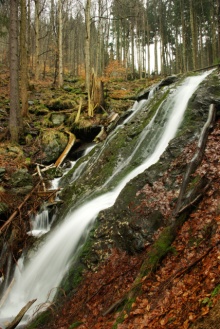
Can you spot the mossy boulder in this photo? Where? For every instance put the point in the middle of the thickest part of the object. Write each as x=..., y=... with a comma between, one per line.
x=21, y=178
x=53, y=144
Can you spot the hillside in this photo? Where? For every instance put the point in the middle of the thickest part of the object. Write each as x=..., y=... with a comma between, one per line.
x=182, y=289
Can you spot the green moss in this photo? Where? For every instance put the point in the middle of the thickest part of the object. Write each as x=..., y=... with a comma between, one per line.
x=216, y=291
x=74, y=275
x=75, y=325
x=40, y=320
x=119, y=320
x=160, y=248
x=209, y=300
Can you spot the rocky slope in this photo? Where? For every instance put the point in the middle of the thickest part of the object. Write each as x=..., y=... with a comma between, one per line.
x=101, y=292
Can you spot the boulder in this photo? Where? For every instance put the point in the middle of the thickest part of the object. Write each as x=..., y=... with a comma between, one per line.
x=21, y=178
x=53, y=144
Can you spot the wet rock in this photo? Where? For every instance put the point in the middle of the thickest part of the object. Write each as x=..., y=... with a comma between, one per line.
x=143, y=94
x=87, y=134
x=168, y=81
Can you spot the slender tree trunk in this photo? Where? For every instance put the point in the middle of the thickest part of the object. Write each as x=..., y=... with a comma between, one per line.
x=132, y=51
x=218, y=15
x=183, y=36
x=155, y=55
x=37, y=41
x=201, y=48
x=162, y=38
x=15, y=122
x=60, y=49
x=214, y=28
x=24, y=59
x=177, y=69
x=193, y=26
x=88, y=54
x=148, y=44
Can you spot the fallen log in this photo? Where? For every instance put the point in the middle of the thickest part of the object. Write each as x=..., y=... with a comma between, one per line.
x=20, y=315
x=61, y=158
x=196, y=160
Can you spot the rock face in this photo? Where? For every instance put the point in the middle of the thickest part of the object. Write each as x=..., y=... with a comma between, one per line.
x=141, y=209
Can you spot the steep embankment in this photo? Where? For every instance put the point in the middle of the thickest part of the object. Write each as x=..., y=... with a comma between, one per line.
x=183, y=282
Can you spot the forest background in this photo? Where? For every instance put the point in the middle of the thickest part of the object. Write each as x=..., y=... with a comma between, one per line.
x=111, y=39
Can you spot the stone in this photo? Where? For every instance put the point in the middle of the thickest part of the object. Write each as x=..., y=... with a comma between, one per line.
x=53, y=144
x=21, y=178
x=57, y=118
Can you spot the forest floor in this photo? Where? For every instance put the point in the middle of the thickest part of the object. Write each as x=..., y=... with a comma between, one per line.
x=184, y=292
x=42, y=97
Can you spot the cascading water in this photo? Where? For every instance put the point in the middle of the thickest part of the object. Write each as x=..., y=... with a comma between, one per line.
x=43, y=274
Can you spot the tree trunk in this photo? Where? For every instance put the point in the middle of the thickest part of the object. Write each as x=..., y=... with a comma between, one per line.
x=183, y=36
x=213, y=29
x=60, y=49
x=155, y=55
x=218, y=15
x=193, y=26
x=37, y=43
x=24, y=59
x=88, y=54
x=15, y=122
x=148, y=42
x=132, y=50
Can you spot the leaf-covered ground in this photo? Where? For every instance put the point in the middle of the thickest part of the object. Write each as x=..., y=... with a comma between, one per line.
x=185, y=286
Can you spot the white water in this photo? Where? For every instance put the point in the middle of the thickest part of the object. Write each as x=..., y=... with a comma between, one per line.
x=40, y=224
x=48, y=266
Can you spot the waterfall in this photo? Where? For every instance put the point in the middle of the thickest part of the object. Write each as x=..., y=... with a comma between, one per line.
x=43, y=274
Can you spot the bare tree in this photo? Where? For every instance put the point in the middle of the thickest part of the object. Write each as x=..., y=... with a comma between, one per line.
x=60, y=45
x=24, y=59
x=15, y=121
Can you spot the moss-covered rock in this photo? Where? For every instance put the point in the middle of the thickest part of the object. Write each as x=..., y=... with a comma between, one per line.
x=53, y=144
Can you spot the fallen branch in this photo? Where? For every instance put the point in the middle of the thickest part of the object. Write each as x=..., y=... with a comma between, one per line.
x=185, y=269
x=45, y=168
x=196, y=160
x=72, y=139
x=79, y=111
x=20, y=315
x=41, y=178
x=18, y=209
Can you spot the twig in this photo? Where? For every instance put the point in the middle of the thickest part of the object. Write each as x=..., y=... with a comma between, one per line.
x=41, y=178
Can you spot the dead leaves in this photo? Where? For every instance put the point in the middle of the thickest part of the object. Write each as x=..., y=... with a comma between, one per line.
x=182, y=288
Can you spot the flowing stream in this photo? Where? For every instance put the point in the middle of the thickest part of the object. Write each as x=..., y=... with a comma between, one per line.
x=43, y=274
